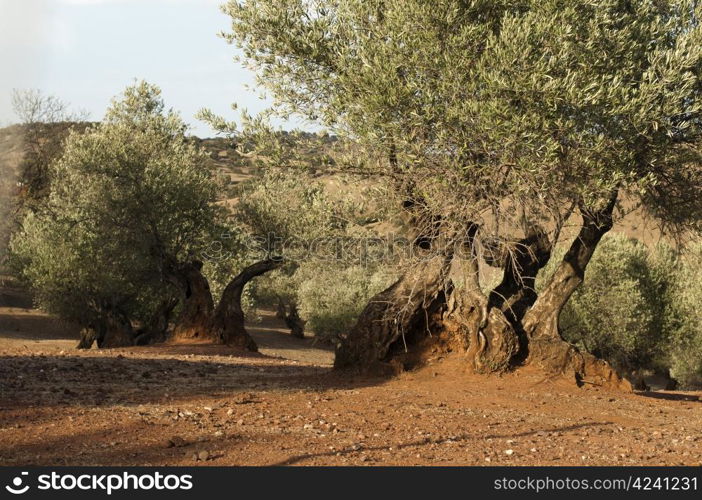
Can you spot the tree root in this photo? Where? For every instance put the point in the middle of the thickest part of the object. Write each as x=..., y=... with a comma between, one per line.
x=557, y=357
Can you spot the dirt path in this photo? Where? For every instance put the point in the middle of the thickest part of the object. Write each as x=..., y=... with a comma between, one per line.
x=274, y=340
x=210, y=405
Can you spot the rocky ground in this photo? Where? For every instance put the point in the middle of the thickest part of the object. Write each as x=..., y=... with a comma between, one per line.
x=205, y=405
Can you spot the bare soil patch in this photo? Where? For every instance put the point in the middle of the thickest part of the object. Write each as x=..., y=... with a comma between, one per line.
x=212, y=405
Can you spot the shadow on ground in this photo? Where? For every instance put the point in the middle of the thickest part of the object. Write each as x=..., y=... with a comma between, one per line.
x=671, y=396
x=95, y=380
x=455, y=439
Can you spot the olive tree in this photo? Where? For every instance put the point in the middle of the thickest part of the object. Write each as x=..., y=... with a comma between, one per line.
x=621, y=312
x=496, y=122
x=131, y=216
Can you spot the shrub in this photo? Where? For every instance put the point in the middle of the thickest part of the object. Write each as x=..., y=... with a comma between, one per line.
x=620, y=313
x=684, y=320
x=331, y=298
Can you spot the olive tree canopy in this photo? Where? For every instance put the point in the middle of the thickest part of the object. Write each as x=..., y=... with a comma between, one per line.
x=495, y=121
x=131, y=216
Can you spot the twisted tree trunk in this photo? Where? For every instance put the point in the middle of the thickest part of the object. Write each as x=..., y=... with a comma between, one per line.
x=110, y=327
x=194, y=318
x=441, y=301
x=291, y=316
x=397, y=317
x=88, y=335
x=227, y=323
x=118, y=332
x=156, y=328
x=546, y=347
x=201, y=321
x=490, y=339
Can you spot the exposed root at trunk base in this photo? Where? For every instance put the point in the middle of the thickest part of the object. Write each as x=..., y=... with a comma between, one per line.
x=110, y=332
x=557, y=357
x=395, y=319
x=490, y=344
x=230, y=330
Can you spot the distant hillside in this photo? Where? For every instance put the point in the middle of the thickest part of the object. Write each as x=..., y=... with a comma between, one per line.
x=222, y=152
x=11, y=153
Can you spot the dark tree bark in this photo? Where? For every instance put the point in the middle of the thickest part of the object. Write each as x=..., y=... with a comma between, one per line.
x=295, y=322
x=227, y=324
x=115, y=330
x=200, y=321
x=88, y=336
x=198, y=306
x=110, y=327
x=291, y=316
x=156, y=328
x=280, y=311
x=516, y=293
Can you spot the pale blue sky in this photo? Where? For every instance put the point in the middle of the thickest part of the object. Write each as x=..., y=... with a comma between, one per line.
x=87, y=51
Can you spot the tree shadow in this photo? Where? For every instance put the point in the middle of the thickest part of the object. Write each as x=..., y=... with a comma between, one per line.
x=670, y=396
x=271, y=334
x=428, y=442
x=119, y=444
x=110, y=445
x=14, y=296
x=33, y=381
x=32, y=326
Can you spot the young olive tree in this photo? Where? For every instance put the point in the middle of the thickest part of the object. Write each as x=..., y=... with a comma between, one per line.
x=495, y=121
x=131, y=216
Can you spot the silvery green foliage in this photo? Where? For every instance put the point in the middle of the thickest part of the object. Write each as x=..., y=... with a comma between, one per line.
x=639, y=308
x=331, y=298
x=285, y=212
x=488, y=105
x=685, y=320
x=619, y=312
x=288, y=206
x=129, y=197
x=330, y=273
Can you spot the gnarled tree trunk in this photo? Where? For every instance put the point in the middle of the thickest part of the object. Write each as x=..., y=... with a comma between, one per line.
x=198, y=306
x=88, y=336
x=291, y=316
x=156, y=328
x=403, y=310
x=546, y=348
x=118, y=332
x=201, y=321
x=491, y=340
x=111, y=328
x=227, y=323
x=509, y=326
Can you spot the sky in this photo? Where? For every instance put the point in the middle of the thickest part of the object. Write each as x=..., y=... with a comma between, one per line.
x=87, y=51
